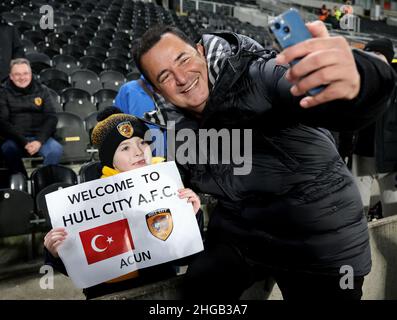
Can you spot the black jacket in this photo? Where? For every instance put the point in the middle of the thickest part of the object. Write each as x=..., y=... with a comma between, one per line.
x=10, y=48
x=26, y=112
x=298, y=208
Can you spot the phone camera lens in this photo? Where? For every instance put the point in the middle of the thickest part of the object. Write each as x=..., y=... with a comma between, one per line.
x=286, y=29
x=277, y=26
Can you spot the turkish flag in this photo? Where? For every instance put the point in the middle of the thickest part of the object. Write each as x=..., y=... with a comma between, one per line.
x=106, y=241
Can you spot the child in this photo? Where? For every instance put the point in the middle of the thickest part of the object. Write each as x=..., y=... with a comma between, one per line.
x=119, y=138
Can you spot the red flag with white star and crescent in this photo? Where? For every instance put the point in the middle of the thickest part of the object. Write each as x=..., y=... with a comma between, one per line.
x=106, y=241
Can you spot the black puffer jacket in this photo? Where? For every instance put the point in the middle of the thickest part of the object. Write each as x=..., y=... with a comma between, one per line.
x=298, y=208
x=26, y=112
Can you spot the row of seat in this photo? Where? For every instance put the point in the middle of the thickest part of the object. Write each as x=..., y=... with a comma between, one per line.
x=84, y=79
x=22, y=212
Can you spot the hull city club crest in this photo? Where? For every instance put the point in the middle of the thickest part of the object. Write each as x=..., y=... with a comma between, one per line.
x=125, y=129
x=38, y=101
x=160, y=223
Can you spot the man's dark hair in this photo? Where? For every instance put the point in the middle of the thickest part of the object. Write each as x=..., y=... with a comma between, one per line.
x=150, y=38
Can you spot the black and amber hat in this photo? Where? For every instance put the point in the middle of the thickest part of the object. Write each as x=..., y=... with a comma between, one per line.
x=112, y=128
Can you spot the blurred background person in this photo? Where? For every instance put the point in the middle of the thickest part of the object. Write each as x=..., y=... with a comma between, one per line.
x=375, y=149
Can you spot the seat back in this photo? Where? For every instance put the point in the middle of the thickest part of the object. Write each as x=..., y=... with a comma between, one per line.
x=90, y=171
x=47, y=175
x=71, y=134
x=41, y=203
x=16, y=211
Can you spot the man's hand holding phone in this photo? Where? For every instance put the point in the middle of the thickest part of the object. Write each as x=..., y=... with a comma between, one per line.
x=324, y=60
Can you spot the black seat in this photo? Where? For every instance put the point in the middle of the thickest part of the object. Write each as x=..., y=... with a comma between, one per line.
x=80, y=40
x=97, y=52
x=121, y=43
x=90, y=122
x=38, y=61
x=28, y=46
x=11, y=17
x=49, y=49
x=105, y=98
x=81, y=108
x=70, y=132
x=111, y=75
x=91, y=86
x=83, y=75
x=56, y=100
x=22, y=26
x=41, y=203
x=91, y=63
x=67, y=30
x=18, y=181
x=54, y=79
x=132, y=76
x=100, y=42
x=116, y=65
x=90, y=171
x=16, y=211
x=71, y=94
x=44, y=176
x=57, y=38
x=65, y=63
x=34, y=35
x=72, y=50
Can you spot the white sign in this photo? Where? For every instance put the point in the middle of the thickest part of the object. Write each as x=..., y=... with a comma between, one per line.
x=122, y=223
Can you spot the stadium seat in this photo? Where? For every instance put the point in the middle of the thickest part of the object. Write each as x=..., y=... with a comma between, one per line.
x=56, y=99
x=105, y=98
x=91, y=86
x=11, y=17
x=71, y=94
x=97, y=52
x=132, y=76
x=91, y=63
x=44, y=176
x=49, y=49
x=67, y=30
x=90, y=171
x=83, y=75
x=80, y=40
x=89, y=122
x=22, y=26
x=16, y=211
x=38, y=61
x=65, y=63
x=70, y=132
x=81, y=108
x=41, y=203
x=105, y=33
x=111, y=76
x=121, y=43
x=18, y=181
x=57, y=38
x=115, y=65
x=72, y=50
x=28, y=46
x=100, y=42
x=54, y=79
x=34, y=35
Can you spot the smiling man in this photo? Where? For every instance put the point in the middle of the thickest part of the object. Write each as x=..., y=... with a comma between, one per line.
x=27, y=119
x=298, y=214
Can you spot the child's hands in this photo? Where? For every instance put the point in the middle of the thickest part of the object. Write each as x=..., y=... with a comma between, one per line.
x=53, y=239
x=191, y=196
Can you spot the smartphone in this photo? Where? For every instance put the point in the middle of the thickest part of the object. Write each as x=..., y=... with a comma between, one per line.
x=288, y=29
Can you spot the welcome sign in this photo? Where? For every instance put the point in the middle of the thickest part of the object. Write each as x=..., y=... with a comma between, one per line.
x=122, y=223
